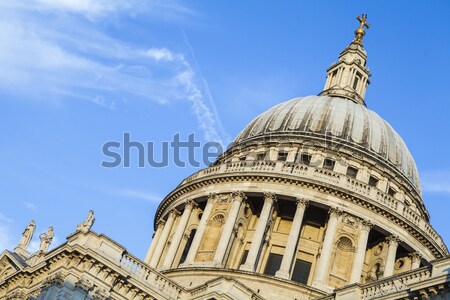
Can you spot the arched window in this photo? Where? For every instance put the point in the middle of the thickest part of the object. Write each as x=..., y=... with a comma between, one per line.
x=188, y=245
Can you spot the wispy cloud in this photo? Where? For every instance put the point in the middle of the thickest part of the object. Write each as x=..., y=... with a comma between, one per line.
x=30, y=206
x=137, y=194
x=437, y=181
x=54, y=50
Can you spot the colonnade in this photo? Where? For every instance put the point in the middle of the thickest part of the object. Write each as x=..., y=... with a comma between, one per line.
x=164, y=228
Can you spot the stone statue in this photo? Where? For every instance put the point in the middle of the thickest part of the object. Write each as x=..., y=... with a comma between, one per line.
x=27, y=235
x=46, y=240
x=87, y=224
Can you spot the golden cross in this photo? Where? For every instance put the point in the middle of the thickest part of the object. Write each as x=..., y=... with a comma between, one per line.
x=362, y=21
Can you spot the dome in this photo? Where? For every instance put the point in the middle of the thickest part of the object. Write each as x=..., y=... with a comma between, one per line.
x=335, y=119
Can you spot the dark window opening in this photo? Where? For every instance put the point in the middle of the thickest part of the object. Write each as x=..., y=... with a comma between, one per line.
x=391, y=192
x=282, y=155
x=273, y=264
x=352, y=172
x=301, y=271
x=305, y=159
x=188, y=246
x=244, y=257
x=260, y=156
x=328, y=164
x=242, y=158
x=373, y=181
x=355, y=83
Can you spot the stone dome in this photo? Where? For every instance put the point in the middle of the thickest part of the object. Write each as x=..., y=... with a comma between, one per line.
x=335, y=119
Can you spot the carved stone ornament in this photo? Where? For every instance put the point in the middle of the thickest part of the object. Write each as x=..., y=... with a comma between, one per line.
x=302, y=202
x=46, y=240
x=351, y=220
x=84, y=284
x=27, y=235
x=239, y=196
x=334, y=211
x=270, y=197
x=88, y=223
x=393, y=240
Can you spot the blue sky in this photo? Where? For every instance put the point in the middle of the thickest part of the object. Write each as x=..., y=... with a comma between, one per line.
x=75, y=74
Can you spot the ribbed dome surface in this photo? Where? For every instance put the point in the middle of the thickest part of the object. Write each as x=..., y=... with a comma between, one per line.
x=339, y=119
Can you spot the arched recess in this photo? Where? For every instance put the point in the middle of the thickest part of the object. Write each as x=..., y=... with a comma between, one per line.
x=190, y=237
x=342, y=261
x=238, y=243
x=211, y=238
x=375, y=270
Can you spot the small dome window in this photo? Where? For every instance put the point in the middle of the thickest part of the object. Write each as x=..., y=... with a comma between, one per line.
x=282, y=155
x=352, y=172
x=260, y=156
x=328, y=164
x=373, y=181
x=305, y=159
x=391, y=191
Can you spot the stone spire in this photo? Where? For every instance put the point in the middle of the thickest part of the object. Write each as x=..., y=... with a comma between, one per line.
x=349, y=77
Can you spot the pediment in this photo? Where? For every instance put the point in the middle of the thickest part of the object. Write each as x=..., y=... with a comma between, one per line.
x=10, y=263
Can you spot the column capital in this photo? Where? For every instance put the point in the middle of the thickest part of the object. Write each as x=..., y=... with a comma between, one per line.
x=415, y=256
x=335, y=211
x=301, y=202
x=160, y=223
x=174, y=212
x=393, y=240
x=270, y=197
x=190, y=204
x=366, y=225
x=238, y=196
x=212, y=197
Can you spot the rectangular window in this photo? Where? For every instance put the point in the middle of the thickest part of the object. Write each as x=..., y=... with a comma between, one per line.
x=305, y=159
x=373, y=181
x=244, y=257
x=328, y=164
x=352, y=172
x=273, y=264
x=260, y=156
x=301, y=271
x=355, y=83
x=282, y=155
x=391, y=192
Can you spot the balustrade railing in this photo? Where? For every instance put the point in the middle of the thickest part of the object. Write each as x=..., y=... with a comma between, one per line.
x=326, y=176
x=395, y=284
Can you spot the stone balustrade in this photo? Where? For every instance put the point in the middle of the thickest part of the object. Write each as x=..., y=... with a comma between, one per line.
x=138, y=270
x=329, y=177
x=394, y=284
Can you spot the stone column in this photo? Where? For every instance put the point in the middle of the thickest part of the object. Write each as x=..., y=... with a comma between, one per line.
x=224, y=241
x=291, y=245
x=151, y=250
x=415, y=260
x=200, y=231
x=181, y=228
x=163, y=239
x=360, y=254
x=258, y=237
x=393, y=242
x=327, y=248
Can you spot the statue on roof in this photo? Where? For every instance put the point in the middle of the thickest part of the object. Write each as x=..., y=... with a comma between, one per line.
x=27, y=235
x=46, y=239
x=88, y=223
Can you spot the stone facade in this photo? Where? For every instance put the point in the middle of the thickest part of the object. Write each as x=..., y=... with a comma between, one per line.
x=317, y=198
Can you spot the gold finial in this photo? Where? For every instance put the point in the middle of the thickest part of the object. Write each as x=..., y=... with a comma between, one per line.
x=360, y=31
